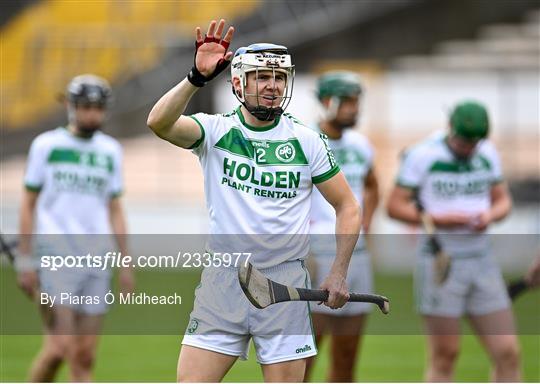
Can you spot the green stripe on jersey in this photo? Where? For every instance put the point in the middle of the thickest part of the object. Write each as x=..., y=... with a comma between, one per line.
x=346, y=156
x=33, y=188
x=263, y=152
x=198, y=142
x=478, y=163
x=325, y=176
x=73, y=156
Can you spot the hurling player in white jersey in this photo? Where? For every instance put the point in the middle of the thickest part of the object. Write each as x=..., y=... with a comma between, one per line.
x=73, y=184
x=339, y=93
x=259, y=166
x=457, y=178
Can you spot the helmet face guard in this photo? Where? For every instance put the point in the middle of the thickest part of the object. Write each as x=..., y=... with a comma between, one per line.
x=269, y=58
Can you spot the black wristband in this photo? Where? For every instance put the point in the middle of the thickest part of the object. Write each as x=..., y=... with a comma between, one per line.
x=196, y=78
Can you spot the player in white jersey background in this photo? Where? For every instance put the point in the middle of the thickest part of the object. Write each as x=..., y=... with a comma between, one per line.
x=259, y=165
x=340, y=94
x=457, y=178
x=71, y=206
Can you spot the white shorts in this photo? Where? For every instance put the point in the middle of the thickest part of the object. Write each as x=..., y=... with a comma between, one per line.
x=359, y=280
x=86, y=290
x=475, y=286
x=224, y=321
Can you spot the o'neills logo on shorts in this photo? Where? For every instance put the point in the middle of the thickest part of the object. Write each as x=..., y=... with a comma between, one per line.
x=305, y=348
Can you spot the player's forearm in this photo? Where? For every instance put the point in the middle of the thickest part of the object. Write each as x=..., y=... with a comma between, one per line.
x=348, y=222
x=118, y=226
x=500, y=208
x=170, y=107
x=405, y=211
x=26, y=224
x=371, y=200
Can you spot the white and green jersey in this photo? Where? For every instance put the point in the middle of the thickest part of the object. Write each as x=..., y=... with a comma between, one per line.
x=446, y=184
x=76, y=178
x=260, y=180
x=354, y=155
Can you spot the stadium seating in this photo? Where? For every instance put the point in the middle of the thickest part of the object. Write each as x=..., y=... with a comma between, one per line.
x=51, y=41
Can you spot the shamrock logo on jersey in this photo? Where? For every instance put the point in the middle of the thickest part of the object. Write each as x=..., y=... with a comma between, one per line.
x=285, y=152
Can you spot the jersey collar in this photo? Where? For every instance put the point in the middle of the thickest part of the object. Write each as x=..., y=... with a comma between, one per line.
x=251, y=127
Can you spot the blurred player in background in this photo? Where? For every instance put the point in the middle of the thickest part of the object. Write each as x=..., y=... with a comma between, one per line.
x=457, y=178
x=339, y=94
x=259, y=165
x=73, y=185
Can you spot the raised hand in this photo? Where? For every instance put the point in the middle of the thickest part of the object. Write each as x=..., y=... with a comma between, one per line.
x=212, y=48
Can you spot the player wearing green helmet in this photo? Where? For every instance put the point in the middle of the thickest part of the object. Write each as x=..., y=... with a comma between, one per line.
x=470, y=121
x=457, y=179
x=339, y=89
x=469, y=124
x=338, y=84
x=339, y=93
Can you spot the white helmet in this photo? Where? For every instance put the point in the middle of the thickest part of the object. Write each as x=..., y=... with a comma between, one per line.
x=263, y=57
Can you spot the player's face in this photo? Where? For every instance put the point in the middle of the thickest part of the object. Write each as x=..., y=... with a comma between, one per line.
x=268, y=87
x=462, y=148
x=89, y=117
x=347, y=112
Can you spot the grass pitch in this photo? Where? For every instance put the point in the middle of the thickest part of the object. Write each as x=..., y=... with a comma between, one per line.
x=398, y=355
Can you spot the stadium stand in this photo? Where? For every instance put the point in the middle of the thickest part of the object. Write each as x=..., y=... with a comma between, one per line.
x=142, y=46
x=50, y=41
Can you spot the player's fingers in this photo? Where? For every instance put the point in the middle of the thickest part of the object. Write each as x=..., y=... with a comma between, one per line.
x=332, y=300
x=228, y=56
x=211, y=29
x=342, y=297
x=219, y=29
x=198, y=35
x=229, y=35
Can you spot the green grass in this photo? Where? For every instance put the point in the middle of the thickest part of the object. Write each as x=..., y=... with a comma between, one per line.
x=393, y=350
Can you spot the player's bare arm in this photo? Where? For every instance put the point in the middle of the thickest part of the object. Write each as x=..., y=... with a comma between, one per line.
x=402, y=206
x=532, y=277
x=501, y=205
x=27, y=277
x=348, y=221
x=371, y=199
x=211, y=57
x=118, y=223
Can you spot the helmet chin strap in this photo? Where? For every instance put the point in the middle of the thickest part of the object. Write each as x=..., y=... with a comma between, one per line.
x=263, y=113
